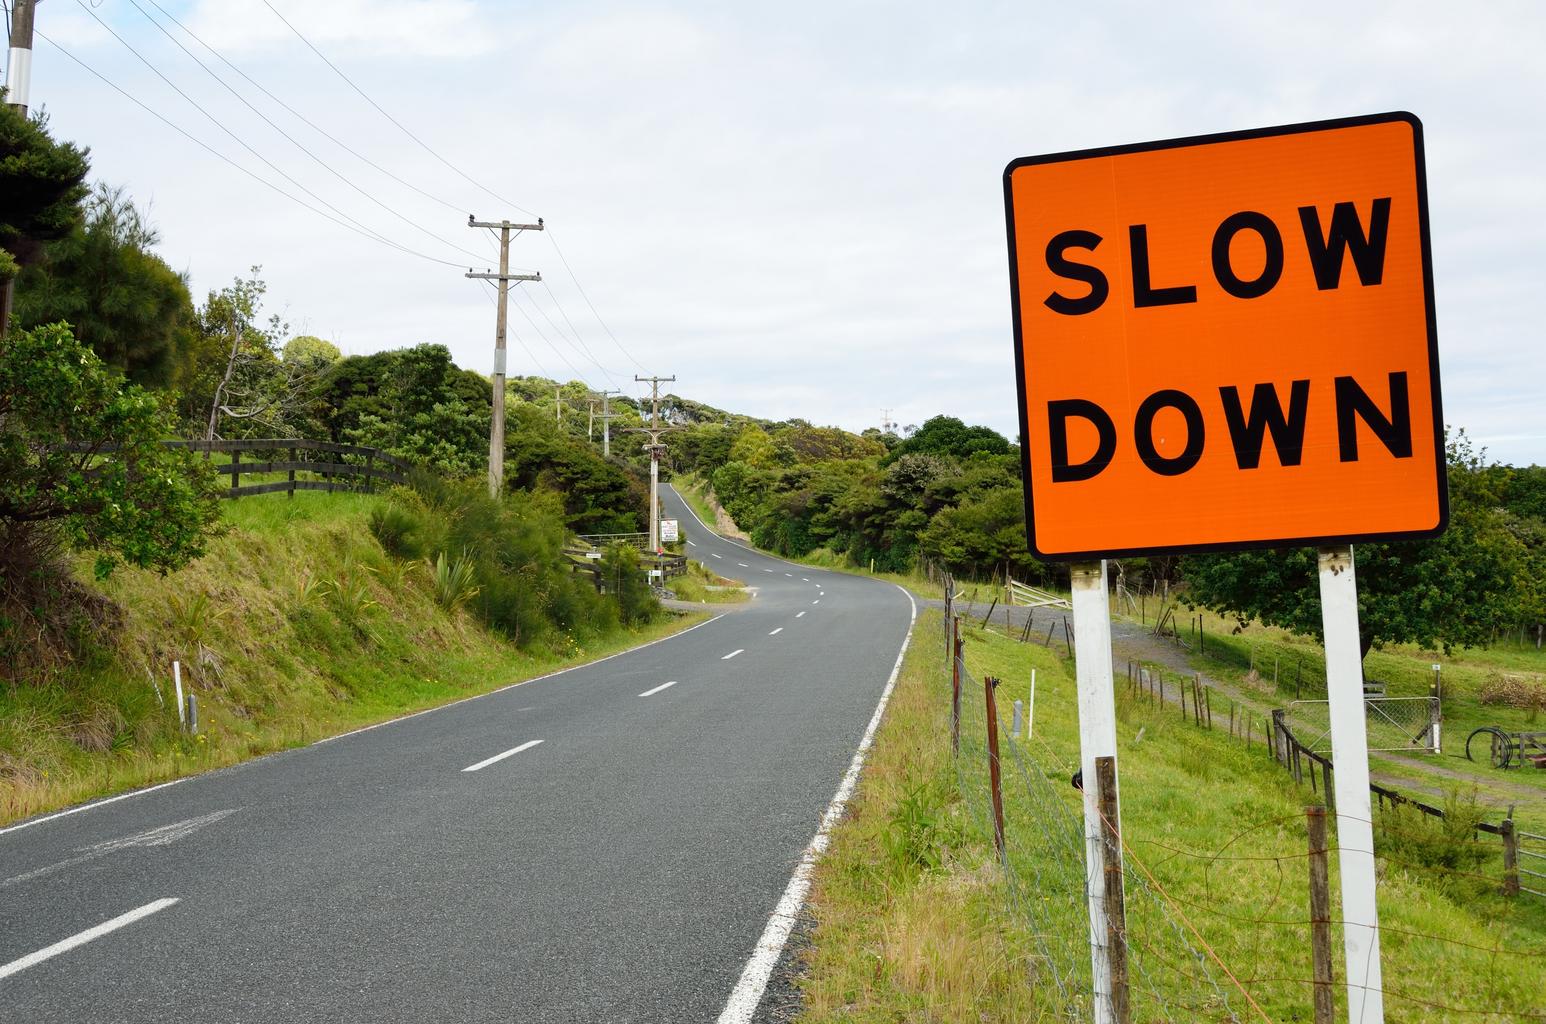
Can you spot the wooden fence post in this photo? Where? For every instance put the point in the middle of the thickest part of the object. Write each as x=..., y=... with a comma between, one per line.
x=1116, y=912
x=1320, y=915
x=989, y=683
x=1510, y=856
x=236, y=474
x=955, y=691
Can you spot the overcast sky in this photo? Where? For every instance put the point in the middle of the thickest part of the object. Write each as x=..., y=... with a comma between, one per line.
x=795, y=208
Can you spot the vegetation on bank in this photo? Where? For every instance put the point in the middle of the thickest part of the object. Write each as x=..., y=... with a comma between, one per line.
x=914, y=918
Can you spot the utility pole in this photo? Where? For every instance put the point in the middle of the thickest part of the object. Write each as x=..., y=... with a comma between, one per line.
x=590, y=417
x=496, y=434
x=606, y=424
x=18, y=85
x=654, y=430
x=18, y=66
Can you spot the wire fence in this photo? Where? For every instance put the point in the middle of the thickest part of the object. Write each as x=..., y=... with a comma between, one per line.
x=1249, y=891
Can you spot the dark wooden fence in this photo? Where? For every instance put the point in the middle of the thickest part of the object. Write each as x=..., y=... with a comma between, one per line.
x=326, y=465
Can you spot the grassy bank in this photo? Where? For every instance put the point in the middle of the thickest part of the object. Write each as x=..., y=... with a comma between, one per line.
x=296, y=625
x=916, y=920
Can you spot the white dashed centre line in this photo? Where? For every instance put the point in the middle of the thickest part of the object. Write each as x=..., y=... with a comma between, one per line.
x=743, y=565
x=805, y=579
x=716, y=555
x=691, y=544
x=657, y=689
x=767, y=570
x=817, y=601
x=799, y=615
x=788, y=574
x=733, y=654
x=81, y=938
x=777, y=631
x=500, y=757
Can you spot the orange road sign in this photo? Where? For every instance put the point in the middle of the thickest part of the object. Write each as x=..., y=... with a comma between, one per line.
x=1227, y=341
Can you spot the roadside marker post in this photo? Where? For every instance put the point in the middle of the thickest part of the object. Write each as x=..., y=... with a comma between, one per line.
x=1097, y=742
x=1350, y=755
x=1235, y=333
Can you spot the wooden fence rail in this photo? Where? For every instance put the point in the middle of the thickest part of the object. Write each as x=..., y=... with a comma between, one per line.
x=336, y=473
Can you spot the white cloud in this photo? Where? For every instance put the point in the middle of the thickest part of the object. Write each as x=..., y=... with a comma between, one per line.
x=358, y=28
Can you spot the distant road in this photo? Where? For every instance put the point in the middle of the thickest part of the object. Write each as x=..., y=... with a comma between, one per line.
x=605, y=844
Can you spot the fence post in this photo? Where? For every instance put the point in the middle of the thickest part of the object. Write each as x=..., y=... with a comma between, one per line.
x=955, y=691
x=1116, y=913
x=1320, y=914
x=1510, y=856
x=294, y=457
x=236, y=474
x=989, y=683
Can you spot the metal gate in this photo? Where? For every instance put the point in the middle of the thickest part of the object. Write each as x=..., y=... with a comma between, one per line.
x=1392, y=723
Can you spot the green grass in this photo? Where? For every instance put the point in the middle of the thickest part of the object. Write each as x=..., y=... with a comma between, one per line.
x=295, y=626
x=916, y=922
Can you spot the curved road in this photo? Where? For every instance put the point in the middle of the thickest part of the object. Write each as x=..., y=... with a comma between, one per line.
x=604, y=844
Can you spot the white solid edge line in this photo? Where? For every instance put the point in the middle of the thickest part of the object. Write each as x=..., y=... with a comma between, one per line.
x=500, y=757
x=657, y=689
x=777, y=631
x=739, y=650
x=81, y=938
x=353, y=732
x=754, y=979
x=95, y=803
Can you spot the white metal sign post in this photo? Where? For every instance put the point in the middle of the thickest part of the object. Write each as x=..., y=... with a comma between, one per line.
x=1097, y=738
x=1350, y=756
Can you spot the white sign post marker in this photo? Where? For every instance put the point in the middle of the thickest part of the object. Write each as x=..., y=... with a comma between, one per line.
x=1097, y=738
x=1350, y=775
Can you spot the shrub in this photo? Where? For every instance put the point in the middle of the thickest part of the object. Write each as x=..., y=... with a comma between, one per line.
x=453, y=580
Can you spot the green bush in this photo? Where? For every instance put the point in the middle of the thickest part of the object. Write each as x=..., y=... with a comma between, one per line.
x=503, y=560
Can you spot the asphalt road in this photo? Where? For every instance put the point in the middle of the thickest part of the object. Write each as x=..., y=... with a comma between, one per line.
x=621, y=869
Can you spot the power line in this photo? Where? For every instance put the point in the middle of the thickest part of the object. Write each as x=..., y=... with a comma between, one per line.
x=318, y=160
x=303, y=118
x=560, y=332
x=581, y=288
x=239, y=141
x=400, y=126
x=556, y=350
x=427, y=148
x=225, y=159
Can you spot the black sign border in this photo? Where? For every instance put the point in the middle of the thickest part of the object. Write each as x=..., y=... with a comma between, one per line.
x=1203, y=140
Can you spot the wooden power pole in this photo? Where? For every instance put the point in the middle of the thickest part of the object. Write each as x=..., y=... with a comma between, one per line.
x=18, y=88
x=496, y=434
x=654, y=430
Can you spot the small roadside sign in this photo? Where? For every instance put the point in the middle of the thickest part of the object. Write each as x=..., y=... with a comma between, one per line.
x=668, y=531
x=1227, y=341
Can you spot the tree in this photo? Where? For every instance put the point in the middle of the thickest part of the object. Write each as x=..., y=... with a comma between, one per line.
x=82, y=463
x=241, y=379
x=40, y=195
x=1455, y=590
x=946, y=435
x=306, y=348
x=120, y=298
